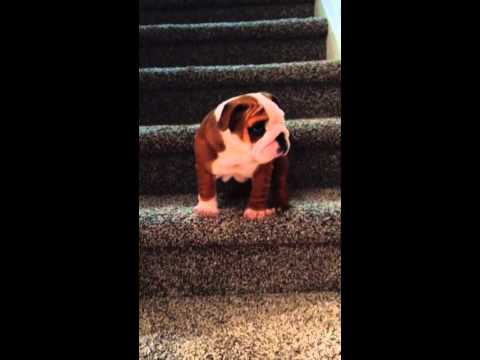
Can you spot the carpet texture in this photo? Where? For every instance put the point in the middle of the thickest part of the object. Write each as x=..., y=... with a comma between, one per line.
x=255, y=326
x=167, y=162
x=256, y=42
x=169, y=221
x=186, y=94
x=201, y=11
x=238, y=270
x=297, y=250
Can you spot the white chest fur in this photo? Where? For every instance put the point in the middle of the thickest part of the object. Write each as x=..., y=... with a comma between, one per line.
x=225, y=169
x=235, y=161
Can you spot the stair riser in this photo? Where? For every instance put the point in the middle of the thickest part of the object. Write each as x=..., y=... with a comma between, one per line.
x=209, y=271
x=222, y=14
x=170, y=174
x=189, y=106
x=232, y=52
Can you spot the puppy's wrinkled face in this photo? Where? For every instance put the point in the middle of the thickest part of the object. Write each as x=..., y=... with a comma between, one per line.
x=255, y=123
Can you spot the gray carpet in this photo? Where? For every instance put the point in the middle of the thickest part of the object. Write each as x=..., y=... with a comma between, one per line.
x=169, y=221
x=295, y=250
x=255, y=326
x=186, y=94
x=253, y=42
x=239, y=270
x=201, y=11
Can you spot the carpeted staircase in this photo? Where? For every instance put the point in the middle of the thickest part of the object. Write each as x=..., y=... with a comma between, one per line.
x=229, y=288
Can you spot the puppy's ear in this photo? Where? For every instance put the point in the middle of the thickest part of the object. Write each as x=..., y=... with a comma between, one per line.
x=271, y=97
x=232, y=116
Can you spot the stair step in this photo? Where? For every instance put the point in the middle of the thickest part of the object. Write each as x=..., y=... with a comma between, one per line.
x=169, y=221
x=167, y=161
x=297, y=250
x=201, y=11
x=256, y=326
x=170, y=272
x=187, y=94
x=256, y=42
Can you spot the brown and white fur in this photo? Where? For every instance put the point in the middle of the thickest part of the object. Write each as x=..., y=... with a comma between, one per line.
x=244, y=138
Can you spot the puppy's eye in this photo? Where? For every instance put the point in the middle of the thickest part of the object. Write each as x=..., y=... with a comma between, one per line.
x=257, y=130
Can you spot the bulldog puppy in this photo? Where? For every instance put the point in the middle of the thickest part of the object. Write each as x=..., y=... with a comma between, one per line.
x=244, y=137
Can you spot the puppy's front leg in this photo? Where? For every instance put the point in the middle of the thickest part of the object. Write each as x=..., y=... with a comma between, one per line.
x=207, y=198
x=258, y=203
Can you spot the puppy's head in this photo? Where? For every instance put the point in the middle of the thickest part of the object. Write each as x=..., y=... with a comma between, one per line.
x=254, y=121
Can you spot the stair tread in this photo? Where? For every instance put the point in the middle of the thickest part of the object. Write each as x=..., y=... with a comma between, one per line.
x=202, y=76
x=169, y=221
x=231, y=327
x=260, y=29
x=304, y=133
x=306, y=89
x=233, y=43
x=204, y=11
x=174, y=4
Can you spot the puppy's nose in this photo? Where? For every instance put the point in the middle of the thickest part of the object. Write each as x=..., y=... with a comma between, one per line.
x=282, y=142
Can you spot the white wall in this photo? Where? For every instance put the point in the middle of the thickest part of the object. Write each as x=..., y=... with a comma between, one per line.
x=331, y=9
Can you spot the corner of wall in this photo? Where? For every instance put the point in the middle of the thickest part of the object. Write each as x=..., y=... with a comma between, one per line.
x=331, y=10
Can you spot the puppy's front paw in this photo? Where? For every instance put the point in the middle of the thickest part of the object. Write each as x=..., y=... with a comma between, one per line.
x=257, y=214
x=207, y=208
x=205, y=211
